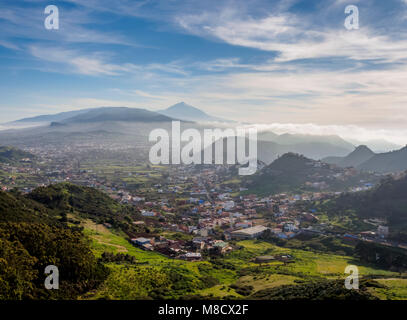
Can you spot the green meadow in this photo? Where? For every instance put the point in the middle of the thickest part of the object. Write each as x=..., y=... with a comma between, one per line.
x=231, y=276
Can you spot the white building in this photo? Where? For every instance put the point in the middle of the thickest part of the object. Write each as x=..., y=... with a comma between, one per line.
x=383, y=231
x=228, y=205
x=249, y=233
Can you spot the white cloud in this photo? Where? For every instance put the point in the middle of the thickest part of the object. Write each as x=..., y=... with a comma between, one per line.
x=97, y=63
x=82, y=64
x=293, y=37
x=346, y=132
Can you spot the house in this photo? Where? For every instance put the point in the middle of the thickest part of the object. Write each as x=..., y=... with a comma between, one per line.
x=383, y=231
x=222, y=246
x=141, y=241
x=290, y=227
x=228, y=205
x=243, y=225
x=350, y=236
x=145, y=213
x=147, y=246
x=192, y=256
x=249, y=233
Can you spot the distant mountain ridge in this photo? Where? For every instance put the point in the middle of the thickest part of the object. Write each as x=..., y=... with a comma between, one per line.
x=117, y=114
x=187, y=112
x=377, y=145
x=290, y=139
x=179, y=111
x=100, y=114
x=360, y=155
x=55, y=117
x=364, y=159
x=394, y=161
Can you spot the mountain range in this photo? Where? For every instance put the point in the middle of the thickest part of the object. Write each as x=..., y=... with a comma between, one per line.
x=53, y=117
x=179, y=111
x=292, y=139
x=132, y=125
x=334, y=140
x=358, y=156
x=99, y=115
x=364, y=159
x=117, y=114
x=186, y=112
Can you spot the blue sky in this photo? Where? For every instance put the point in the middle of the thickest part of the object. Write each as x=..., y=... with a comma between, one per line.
x=286, y=61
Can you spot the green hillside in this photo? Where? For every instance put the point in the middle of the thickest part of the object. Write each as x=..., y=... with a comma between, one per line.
x=11, y=155
x=388, y=200
x=86, y=201
x=96, y=262
x=14, y=207
x=33, y=236
x=295, y=173
x=394, y=161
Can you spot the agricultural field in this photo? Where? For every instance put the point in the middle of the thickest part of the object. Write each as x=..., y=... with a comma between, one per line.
x=235, y=275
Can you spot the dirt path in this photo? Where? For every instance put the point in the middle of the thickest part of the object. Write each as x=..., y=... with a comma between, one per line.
x=118, y=247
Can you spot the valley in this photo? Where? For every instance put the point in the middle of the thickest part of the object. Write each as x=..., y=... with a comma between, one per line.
x=204, y=231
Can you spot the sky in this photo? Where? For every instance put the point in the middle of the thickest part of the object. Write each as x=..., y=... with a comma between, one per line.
x=277, y=62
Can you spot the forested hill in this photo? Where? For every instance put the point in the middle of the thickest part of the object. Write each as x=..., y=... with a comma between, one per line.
x=295, y=173
x=387, y=200
x=11, y=155
x=35, y=231
x=86, y=201
x=15, y=207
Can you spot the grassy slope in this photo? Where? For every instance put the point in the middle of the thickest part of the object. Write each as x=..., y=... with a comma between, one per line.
x=135, y=282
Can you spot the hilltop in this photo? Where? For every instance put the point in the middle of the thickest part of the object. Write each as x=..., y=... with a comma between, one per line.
x=14, y=207
x=53, y=117
x=34, y=235
x=187, y=112
x=117, y=114
x=360, y=155
x=394, y=161
x=364, y=159
x=388, y=200
x=295, y=173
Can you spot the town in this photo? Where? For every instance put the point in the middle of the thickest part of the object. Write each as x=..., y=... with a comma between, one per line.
x=190, y=212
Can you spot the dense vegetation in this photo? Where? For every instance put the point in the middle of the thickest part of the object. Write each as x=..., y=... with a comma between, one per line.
x=27, y=248
x=394, y=259
x=312, y=242
x=319, y=290
x=291, y=172
x=34, y=233
x=387, y=200
x=85, y=202
x=11, y=155
x=94, y=262
x=15, y=207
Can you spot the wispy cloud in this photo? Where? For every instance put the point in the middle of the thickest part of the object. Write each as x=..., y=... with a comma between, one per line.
x=294, y=37
x=271, y=61
x=73, y=61
x=81, y=64
x=18, y=21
